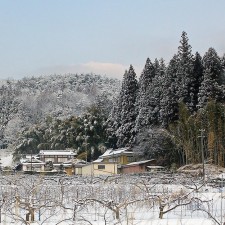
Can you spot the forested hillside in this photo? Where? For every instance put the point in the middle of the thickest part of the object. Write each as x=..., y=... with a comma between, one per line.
x=33, y=100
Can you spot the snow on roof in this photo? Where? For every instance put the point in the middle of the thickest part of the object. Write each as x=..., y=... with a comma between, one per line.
x=113, y=152
x=57, y=152
x=74, y=161
x=98, y=160
x=29, y=160
x=140, y=162
x=33, y=163
x=29, y=156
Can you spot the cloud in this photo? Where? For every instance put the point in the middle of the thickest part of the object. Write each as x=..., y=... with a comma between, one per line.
x=109, y=69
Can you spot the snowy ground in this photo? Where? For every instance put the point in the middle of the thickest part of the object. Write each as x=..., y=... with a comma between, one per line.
x=6, y=157
x=95, y=200
x=149, y=222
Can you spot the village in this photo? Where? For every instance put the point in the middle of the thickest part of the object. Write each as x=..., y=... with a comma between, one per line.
x=112, y=162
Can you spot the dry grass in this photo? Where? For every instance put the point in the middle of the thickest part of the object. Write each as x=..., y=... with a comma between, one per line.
x=196, y=169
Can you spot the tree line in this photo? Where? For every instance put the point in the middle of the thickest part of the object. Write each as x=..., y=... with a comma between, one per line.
x=172, y=103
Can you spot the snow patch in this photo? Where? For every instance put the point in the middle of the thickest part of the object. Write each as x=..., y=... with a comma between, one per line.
x=6, y=157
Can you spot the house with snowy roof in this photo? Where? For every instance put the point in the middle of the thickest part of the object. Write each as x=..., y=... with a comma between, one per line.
x=121, y=156
x=56, y=156
x=32, y=164
x=50, y=160
x=110, y=162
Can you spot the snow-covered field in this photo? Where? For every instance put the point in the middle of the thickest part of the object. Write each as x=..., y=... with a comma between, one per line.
x=111, y=200
x=6, y=157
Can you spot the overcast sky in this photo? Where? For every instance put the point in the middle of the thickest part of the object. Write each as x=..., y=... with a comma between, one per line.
x=42, y=37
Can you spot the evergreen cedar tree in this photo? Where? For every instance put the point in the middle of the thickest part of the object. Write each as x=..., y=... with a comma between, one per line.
x=126, y=113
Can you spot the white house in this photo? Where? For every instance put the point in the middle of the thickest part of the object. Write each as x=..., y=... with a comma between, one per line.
x=56, y=157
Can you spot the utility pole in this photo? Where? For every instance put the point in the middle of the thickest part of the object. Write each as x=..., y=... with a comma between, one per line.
x=221, y=197
x=86, y=148
x=86, y=138
x=114, y=162
x=202, y=150
x=31, y=161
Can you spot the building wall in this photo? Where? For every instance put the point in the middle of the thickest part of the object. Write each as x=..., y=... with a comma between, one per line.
x=138, y=168
x=78, y=170
x=35, y=167
x=134, y=169
x=100, y=169
x=55, y=158
x=122, y=159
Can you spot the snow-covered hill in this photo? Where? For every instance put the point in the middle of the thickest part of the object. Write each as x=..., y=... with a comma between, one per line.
x=33, y=99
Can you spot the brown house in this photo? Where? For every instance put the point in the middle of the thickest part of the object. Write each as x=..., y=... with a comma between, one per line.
x=137, y=167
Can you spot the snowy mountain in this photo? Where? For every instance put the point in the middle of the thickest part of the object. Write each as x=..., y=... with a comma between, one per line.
x=32, y=99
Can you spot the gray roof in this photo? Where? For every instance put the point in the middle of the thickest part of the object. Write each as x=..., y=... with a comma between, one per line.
x=140, y=162
x=114, y=152
x=57, y=152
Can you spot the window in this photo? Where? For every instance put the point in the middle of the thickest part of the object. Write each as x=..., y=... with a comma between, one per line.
x=114, y=159
x=130, y=159
x=101, y=167
x=62, y=159
x=49, y=159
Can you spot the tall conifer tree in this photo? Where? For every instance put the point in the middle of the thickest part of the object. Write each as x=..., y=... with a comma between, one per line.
x=169, y=99
x=185, y=76
x=125, y=133
x=144, y=95
x=157, y=90
x=198, y=75
x=211, y=86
